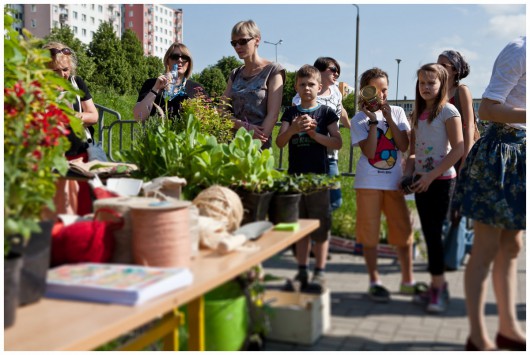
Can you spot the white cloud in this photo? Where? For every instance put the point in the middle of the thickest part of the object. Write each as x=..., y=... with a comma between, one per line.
x=509, y=9
x=507, y=26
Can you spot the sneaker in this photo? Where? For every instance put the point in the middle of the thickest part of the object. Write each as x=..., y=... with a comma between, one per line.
x=412, y=290
x=379, y=293
x=439, y=298
x=319, y=278
x=422, y=298
x=303, y=278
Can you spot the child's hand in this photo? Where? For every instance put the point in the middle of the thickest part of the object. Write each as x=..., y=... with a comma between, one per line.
x=303, y=123
x=387, y=112
x=423, y=183
x=371, y=115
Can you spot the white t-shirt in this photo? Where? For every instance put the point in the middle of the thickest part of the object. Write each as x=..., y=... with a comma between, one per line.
x=384, y=171
x=432, y=142
x=508, y=79
x=334, y=101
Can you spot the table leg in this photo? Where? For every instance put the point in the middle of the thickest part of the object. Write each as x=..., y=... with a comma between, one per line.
x=196, y=341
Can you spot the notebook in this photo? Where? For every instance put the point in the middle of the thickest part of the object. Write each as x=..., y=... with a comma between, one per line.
x=114, y=283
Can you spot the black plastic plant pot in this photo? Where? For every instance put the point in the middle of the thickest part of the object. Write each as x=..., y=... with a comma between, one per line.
x=36, y=262
x=255, y=205
x=284, y=208
x=316, y=205
x=12, y=268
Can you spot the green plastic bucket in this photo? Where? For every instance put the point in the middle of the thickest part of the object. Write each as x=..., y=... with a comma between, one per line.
x=225, y=314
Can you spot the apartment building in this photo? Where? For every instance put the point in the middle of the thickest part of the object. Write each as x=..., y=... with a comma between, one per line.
x=156, y=26
x=83, y=19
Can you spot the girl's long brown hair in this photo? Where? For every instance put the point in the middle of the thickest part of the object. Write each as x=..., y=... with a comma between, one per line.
x=420, y=105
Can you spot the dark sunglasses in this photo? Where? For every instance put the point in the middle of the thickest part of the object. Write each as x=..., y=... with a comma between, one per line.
x=334, y=70
x=241, y=41
x=64, y=70
x=65, y=51
x=182, y=57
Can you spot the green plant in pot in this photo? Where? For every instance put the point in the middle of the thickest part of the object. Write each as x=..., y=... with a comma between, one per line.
x=284, y=205
x=314, y=202
x=36, y=123
x=253, y=175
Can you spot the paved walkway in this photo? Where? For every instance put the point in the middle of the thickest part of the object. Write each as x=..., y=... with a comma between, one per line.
x=357, y=323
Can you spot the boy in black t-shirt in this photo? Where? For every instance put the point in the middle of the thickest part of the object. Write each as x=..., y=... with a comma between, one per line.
x=310, y=129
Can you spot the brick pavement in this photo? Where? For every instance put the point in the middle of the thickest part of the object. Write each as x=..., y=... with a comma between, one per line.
x=357, y=323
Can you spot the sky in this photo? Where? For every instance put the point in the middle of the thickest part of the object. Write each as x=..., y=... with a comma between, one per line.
x=414, y=33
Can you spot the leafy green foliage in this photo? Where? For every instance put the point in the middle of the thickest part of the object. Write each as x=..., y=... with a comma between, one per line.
x=212, y=121
x=212, y=80
x=154, y=66
x=134, y=51
x=112, y=65
x=226, y=65
x=288, y=89
x=158, y=150
x=348, y=103
x=35, y=121
x=315, y=182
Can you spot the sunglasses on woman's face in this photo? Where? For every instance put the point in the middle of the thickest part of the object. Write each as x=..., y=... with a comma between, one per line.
x=241, y=41
x=182, y=57
x=334, y=70
x=65, y=51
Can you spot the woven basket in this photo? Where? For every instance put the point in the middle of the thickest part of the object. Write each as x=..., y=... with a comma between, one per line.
x=161, y=235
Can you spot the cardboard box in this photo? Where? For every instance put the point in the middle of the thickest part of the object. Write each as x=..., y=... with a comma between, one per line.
x=299, y=318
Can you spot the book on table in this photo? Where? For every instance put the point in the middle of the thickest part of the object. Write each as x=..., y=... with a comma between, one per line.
x=114, y=283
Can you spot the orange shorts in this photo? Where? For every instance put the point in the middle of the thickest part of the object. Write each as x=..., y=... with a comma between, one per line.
x=370, y=204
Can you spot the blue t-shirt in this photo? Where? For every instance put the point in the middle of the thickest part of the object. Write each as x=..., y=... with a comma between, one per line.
x=305, y=154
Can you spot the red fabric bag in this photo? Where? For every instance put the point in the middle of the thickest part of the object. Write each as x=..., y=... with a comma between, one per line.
x=86, y=241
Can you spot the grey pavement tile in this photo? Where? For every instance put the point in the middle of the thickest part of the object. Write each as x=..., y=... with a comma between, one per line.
x=358, y=324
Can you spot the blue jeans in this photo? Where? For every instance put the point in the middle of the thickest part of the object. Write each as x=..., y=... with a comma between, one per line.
x=335, y=194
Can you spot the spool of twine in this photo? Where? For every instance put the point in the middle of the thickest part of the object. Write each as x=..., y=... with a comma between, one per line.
x=122, y=237
x=161, y=234
x=222, y=204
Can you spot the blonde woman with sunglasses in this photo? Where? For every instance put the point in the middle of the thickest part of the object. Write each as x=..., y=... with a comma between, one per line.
x=155, y=91
x=254, y=91
x=73, y=197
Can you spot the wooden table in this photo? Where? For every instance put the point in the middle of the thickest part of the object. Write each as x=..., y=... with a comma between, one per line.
x=52, y=324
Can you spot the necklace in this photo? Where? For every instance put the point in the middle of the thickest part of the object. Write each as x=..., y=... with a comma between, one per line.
x=175, y=90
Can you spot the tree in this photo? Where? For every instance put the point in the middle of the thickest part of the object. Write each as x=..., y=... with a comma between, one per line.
x=112, y=67
x=347, y=103
x=212, y=79
x=154, y=66
x=288, y=89
x=226, y=65
x=132, y=47
x=85, y=64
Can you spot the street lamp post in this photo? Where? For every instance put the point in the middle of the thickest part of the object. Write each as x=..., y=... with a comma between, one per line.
x=275, y=47
x=350, y=170
x=397, y=80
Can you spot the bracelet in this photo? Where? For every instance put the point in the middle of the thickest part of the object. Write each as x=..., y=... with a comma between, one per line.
x=154, y=92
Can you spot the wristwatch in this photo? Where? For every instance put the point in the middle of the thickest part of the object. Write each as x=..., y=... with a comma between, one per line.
x=370, y=122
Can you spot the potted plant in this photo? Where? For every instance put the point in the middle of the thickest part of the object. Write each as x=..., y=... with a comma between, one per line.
x=35, y=128
x=284, y=203
x=254, y=175
x=315, y=198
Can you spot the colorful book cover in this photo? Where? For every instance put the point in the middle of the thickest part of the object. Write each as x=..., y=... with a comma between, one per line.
x=114, y=283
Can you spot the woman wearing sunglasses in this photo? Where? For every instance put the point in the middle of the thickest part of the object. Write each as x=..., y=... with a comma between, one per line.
x=255, y=89
x=155, y=91
x=74, y=197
